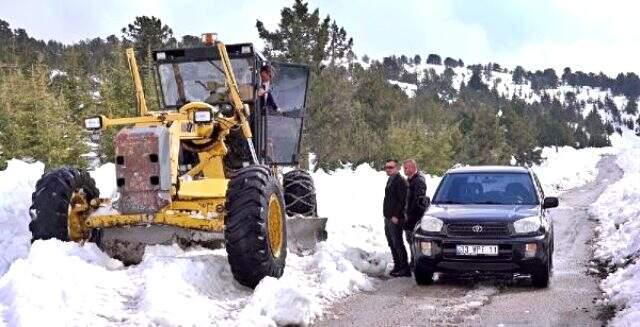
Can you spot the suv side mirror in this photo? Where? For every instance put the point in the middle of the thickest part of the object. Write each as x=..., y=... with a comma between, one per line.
x=550, y=202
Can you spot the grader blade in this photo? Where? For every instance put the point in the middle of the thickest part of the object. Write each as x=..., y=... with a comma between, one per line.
x=127, y=244
x=303, y=233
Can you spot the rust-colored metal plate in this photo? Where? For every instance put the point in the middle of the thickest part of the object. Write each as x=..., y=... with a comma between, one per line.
x=140, y=177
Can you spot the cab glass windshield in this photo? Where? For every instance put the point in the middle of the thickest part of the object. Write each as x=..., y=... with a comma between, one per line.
x=185, y=82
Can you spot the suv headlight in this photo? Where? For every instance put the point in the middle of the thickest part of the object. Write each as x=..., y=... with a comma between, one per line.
x=527, y=225
x=431, y=224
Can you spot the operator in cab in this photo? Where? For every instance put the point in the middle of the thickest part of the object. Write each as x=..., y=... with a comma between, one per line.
x=264, y=92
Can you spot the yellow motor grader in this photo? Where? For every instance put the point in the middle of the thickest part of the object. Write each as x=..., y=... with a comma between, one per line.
x=204, y=169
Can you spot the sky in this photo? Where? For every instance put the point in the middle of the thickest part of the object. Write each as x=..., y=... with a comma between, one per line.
x=586, y=35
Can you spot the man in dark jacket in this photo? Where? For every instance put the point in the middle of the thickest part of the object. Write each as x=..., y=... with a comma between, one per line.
x=417, y=201
x=395, y=196
x=264, y=92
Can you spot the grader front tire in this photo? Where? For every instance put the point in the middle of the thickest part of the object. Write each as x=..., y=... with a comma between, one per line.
x=52, y=199
x=255, y=226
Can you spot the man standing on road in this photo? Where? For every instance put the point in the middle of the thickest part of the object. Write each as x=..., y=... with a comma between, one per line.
x=395, y=196
x=416, y=200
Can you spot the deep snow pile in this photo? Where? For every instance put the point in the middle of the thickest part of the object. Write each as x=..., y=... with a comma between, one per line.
x=618, y=243
x=17, y=183
x=65, y=284
x=567, y=168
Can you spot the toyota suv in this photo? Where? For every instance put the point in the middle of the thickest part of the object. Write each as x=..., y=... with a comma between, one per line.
x=486, y=219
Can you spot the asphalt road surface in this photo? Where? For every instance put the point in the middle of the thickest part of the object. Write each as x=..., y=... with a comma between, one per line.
x=570, y=299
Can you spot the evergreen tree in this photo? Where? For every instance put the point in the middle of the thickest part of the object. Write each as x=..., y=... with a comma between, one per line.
x=521, y=138
x=339, y=45
x=596, y=130
x=434, y=59
x=518, y=75
x=475, y=82
x=190, y=41
x=379, y=99
x=417, y=59
x=414, y=139
x=301, y=37
x=450, y=62
x=485, y=142
x=632, y=107
x=41, y=127
x=147, y=33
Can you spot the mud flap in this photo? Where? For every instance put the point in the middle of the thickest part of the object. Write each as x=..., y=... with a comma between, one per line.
x=303, y=233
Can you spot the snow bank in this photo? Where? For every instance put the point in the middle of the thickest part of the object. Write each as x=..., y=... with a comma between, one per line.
x=618, y=242
x=567, y=168
x=58, y=278
x=17, y=183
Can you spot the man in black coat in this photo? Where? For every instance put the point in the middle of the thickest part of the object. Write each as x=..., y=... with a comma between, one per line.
x=395, y=196
x=264, y=92
x=417, y=200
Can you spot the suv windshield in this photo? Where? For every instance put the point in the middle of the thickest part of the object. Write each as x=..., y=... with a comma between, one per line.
x=200, y=80
x=486, y=188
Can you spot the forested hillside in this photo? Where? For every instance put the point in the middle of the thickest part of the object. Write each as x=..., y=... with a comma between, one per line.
x=360, y=109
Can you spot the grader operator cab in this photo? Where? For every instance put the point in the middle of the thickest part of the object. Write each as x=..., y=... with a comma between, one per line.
x=204, y=169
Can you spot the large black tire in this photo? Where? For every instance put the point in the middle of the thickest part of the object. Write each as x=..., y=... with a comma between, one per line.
x=540, y=277
x=299, y=193
x=423, y=275
x=255, y=247
x=50, y=201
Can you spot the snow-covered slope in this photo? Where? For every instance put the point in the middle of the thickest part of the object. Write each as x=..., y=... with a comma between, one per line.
x=503, y=82
x=618, y=242
x=57, y=283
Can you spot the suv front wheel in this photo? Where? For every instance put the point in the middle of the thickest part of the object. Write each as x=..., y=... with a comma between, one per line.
x=540, y=276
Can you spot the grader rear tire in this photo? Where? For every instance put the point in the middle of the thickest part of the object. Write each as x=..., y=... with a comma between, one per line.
x=299, y=193
x=50, y=201
x=255, y=226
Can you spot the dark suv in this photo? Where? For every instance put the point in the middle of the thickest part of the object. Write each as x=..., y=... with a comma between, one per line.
x=488, y=218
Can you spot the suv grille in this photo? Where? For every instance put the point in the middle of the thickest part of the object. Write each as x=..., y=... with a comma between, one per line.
x=479, y=230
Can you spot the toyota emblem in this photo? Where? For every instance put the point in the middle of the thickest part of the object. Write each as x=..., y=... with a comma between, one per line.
x=477, y=229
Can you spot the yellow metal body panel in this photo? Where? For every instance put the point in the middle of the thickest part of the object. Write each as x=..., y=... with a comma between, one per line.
x=167, y=217
x=203, y=188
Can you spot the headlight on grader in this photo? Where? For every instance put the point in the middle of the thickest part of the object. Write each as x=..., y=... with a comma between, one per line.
x=93, y=123
x=202, y=116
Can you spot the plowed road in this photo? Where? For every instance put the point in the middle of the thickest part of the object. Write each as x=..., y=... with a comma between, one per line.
x=570, y=300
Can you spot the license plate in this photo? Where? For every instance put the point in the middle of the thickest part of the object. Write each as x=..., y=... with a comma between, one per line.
x=477, y=250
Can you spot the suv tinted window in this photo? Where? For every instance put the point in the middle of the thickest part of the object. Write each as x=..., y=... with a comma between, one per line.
x=486, y=188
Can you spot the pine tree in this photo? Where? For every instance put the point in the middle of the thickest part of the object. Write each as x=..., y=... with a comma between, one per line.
x=339, y=45
x=41, y=125
x=485, y=143
x=380, y=100
x=475, y=82
x=146, y=34
x=596, y=130
x=336, y=130
x=632, y=107
x=518, y=75
x=417, y=59
x=521, y=138
x=301, y=37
